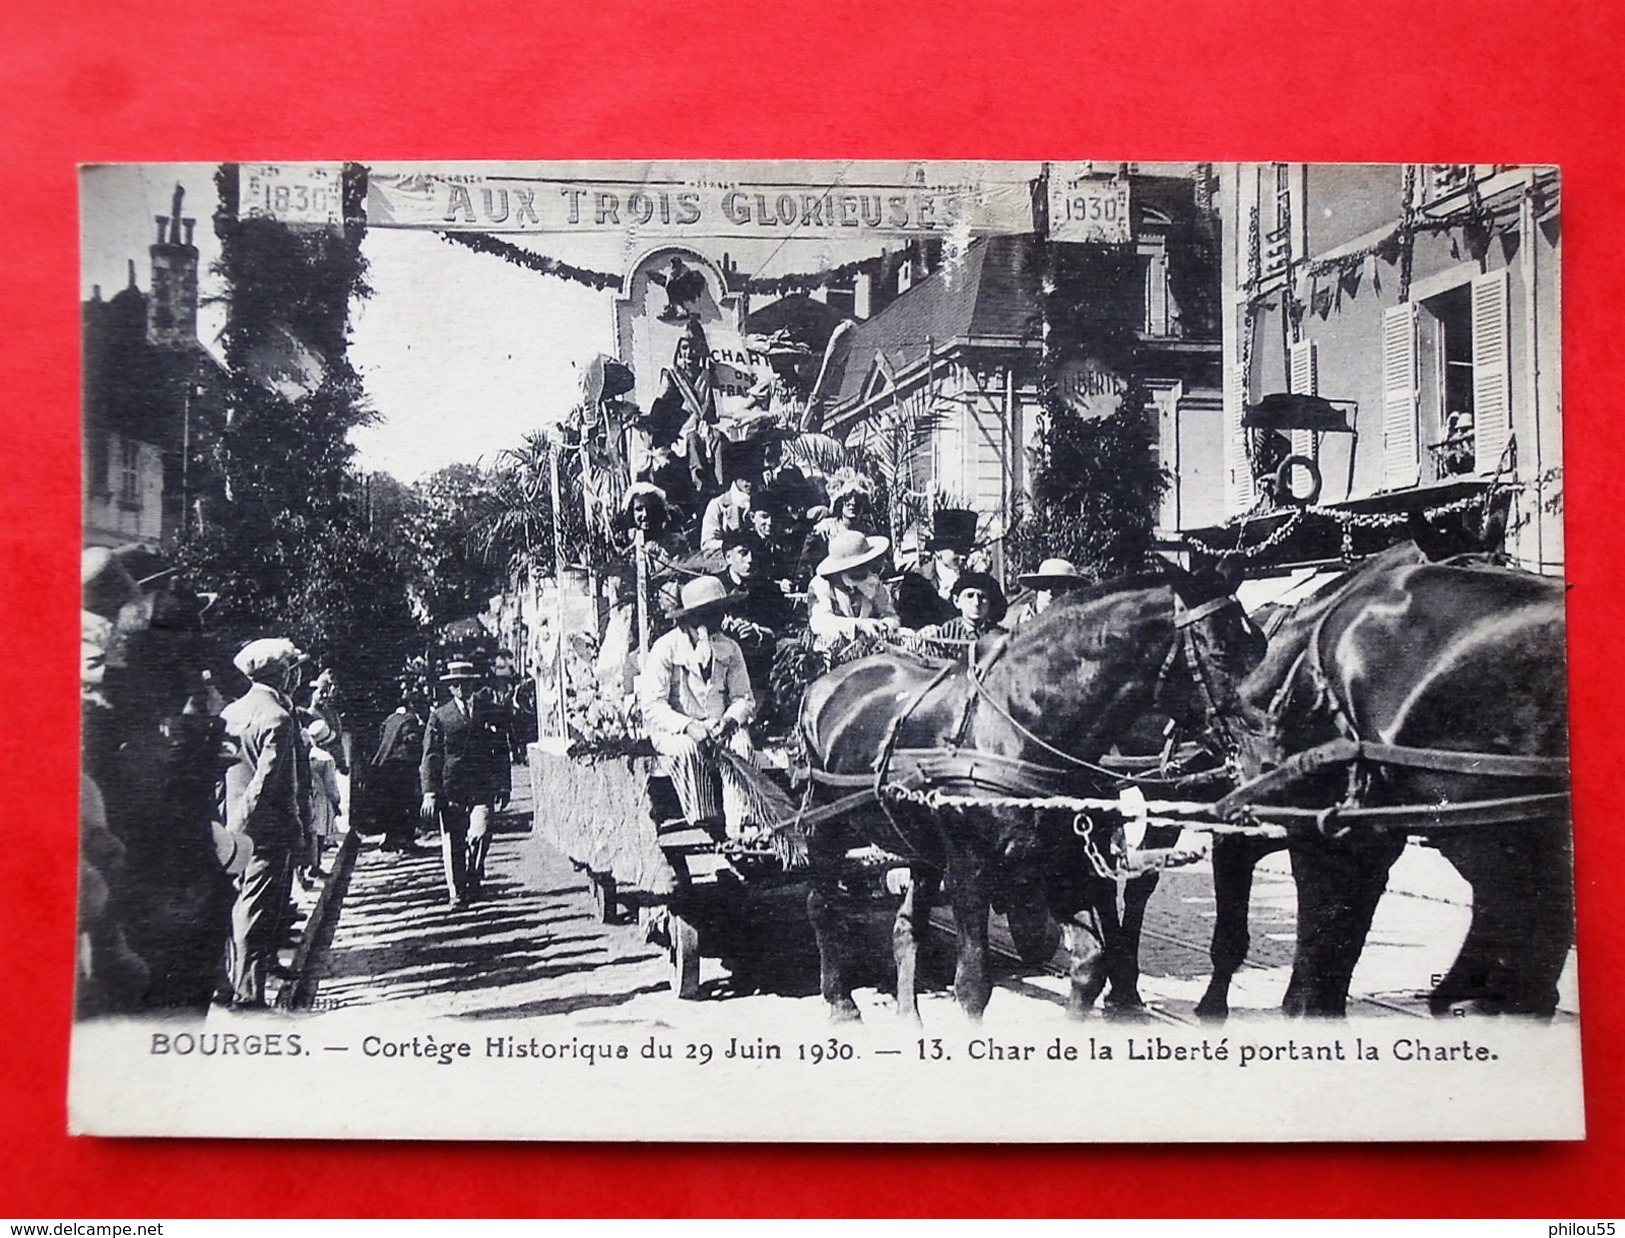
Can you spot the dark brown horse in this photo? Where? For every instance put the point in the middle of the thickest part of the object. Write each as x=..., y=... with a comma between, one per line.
x=1423, y=658
x=1033, y=720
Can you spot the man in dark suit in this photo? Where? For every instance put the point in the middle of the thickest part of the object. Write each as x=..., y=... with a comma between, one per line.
x=395, y=788
x=465, y=779
x=267, y=797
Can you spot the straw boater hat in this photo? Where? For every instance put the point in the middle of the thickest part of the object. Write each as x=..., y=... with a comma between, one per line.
x=1053, y=574
x=705, y=595
x=997, y=605
x=849, y=549
x=460, y=672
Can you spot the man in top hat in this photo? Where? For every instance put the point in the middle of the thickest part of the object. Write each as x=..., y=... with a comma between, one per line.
x=695, y=695
x=848, y=598
x=953, y=537
x=981, y=605
x=465, y=779
x=267, y=801
x=1053, y=578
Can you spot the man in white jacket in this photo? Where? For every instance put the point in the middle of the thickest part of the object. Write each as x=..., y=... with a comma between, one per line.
x=695, y=695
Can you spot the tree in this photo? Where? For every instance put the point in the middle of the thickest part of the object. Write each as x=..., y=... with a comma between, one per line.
x=285, y=541
x=451, y=575
x=1096, y=479
x=1095, y=493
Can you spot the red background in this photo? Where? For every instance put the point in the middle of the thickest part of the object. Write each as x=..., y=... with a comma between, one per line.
x=83, y=81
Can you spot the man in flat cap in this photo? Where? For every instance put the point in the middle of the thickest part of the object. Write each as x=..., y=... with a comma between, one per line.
x=267, y=795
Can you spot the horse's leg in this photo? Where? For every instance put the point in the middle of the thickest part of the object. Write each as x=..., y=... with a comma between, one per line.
x=972, y=987
x=1338, y=890
x=1522, y=920
x=908, y=931
x=825, y=849
x=1235, y=856
x=1123, y=948
x=1085, y=937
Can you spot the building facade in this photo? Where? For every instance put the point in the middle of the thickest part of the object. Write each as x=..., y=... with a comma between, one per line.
x=1417, y=305
x=966, y=351
x=151, y=394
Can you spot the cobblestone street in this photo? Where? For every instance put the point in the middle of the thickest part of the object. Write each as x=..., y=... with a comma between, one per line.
x=534, y=944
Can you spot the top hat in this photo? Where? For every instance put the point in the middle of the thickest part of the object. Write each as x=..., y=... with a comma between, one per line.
x=460, y=672
x=1053, y=574
x=952, y=528
x=850, y=549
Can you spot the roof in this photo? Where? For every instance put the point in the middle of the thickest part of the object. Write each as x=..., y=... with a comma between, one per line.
x=993, y=291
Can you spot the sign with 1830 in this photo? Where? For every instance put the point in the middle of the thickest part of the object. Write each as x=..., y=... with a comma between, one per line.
x=1089, y=208
x=292, y=193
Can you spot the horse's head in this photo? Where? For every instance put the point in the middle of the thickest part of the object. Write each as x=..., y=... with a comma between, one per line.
x=1215, y=646
x=1085, y=674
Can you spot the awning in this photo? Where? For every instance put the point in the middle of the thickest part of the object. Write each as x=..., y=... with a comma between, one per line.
x=1282, y=410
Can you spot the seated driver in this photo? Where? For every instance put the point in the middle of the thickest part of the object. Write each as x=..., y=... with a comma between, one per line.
x=696, y=700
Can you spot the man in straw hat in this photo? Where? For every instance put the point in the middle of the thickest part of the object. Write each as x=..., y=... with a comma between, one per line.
x=1053, y=578
x=267, y=801
x=465, y=779
x=695, y=695
x=848, y=598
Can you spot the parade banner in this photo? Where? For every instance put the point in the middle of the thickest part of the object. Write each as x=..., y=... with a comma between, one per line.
x=941, y=200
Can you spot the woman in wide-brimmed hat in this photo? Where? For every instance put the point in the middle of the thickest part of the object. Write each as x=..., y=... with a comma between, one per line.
x=848, y=598
x=1053, y=578
x=850, y=509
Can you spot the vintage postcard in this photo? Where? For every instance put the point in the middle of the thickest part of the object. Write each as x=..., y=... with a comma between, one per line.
x=891, y=651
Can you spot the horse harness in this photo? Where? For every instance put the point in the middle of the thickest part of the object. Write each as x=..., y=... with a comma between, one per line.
x=1360, y=757
x=994, y=772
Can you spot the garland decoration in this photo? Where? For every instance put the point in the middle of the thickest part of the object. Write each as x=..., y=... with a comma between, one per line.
x=1346, y=521
x=599, y=281
x=484, y=243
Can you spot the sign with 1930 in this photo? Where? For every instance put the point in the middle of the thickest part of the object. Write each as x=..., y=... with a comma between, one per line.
x=1089, y=209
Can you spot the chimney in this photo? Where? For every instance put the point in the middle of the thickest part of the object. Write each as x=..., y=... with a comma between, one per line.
x=172, y=307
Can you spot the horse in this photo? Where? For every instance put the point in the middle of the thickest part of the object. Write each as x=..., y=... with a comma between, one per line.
x=1031, y=714
x=1430, y=660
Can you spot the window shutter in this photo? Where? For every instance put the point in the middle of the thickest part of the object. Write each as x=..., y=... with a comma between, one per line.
x=1303, y=378
x=1492, y=379
x=1399, y=459
x=1238, y=470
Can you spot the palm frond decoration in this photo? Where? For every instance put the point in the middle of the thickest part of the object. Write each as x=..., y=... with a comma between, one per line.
x=817, y=454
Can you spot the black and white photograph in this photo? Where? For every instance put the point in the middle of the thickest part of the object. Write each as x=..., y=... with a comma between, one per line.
x=1065, y=651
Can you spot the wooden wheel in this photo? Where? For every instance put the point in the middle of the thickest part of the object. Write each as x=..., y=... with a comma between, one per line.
x=685, y=956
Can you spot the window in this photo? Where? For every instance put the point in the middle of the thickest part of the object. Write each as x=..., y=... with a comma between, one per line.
x=129, y=471
x=1446, y=397
x=1446, y=383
